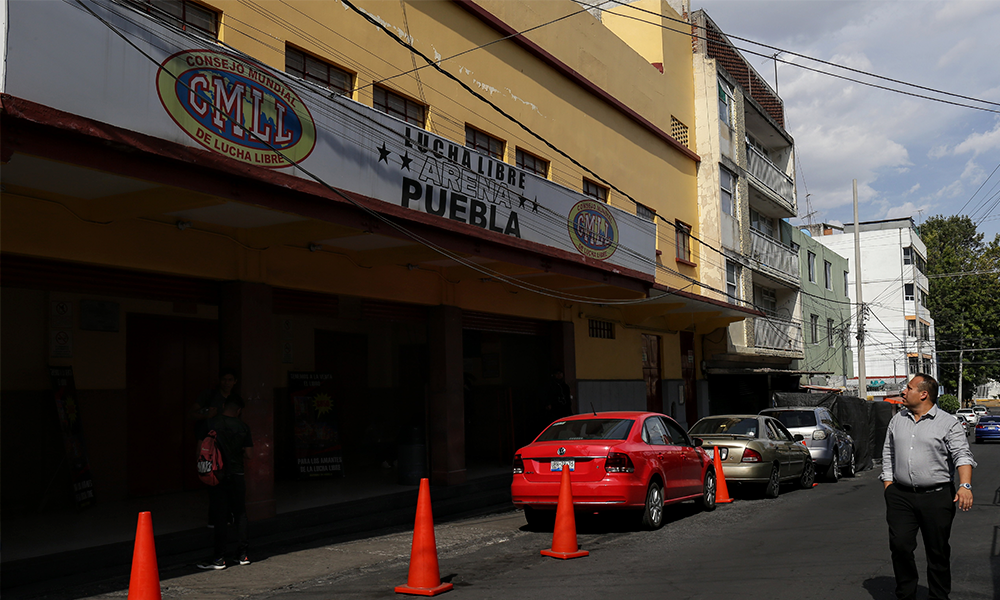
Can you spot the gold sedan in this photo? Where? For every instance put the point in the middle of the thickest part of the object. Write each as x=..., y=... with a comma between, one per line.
x=756, y=449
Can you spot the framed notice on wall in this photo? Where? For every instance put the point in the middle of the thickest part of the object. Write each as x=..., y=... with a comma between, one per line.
x=316, y=414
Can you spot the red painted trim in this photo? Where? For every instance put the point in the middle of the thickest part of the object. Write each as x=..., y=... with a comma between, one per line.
x=39, y=130
x=565, y=70
x=685, y=262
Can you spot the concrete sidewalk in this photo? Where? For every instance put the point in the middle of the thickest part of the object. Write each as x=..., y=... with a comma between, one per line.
x=105, y=569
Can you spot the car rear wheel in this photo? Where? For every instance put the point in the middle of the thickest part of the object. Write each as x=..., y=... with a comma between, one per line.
x=539, y=520
x=833, y=471
x=773, y=487
x=707, y=500
x=652, y=513
x=808, y=474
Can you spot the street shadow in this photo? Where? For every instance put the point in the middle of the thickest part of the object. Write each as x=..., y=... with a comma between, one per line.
x=884, y=588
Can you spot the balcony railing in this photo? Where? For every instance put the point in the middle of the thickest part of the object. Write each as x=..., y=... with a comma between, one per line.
x=775, y=180
x=777, y=334
x=774, y=255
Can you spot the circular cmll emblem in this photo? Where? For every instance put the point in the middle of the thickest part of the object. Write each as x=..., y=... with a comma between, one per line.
x=234, y=108
x=593, y=230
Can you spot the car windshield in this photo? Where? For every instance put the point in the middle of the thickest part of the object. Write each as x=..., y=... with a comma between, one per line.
x=733, y=425
x=794, y=418
x=965, y=411
x=587, y=429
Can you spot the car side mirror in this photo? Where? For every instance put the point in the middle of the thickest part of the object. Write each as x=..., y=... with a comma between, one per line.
x=698, y=442
x=798, y=437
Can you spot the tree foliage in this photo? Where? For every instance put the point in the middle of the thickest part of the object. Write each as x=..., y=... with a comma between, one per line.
x=965, y=308
x=949, y=403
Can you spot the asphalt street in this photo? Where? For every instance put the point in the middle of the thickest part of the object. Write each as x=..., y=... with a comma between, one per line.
x=828, y=542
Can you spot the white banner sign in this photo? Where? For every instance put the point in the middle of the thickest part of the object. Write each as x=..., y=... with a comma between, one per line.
x=195, y=93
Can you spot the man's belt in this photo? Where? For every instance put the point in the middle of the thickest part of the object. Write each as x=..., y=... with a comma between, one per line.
x=921, y=489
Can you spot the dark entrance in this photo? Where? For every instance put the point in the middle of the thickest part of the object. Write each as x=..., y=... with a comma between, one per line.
x=170, y=361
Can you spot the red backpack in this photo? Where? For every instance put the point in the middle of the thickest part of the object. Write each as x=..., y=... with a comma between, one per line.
x=209, y=460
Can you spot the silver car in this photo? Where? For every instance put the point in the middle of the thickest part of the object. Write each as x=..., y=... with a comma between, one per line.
x=829, y=442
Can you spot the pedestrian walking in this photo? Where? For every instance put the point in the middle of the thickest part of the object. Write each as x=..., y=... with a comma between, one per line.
x=924, y=446
x=229, y=497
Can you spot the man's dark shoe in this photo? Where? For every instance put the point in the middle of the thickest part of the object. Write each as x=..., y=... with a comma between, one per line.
x=213, y=565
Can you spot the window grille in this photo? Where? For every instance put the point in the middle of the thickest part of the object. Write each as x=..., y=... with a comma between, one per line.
x=399, y=107
x=679, y=131
x=483, y=143
x=602, y=329
x=317, y=71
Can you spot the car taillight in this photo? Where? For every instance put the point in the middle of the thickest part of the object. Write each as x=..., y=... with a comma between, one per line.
x=618, y=462
x=819, y=434
x=750, y=455
x=518, y=464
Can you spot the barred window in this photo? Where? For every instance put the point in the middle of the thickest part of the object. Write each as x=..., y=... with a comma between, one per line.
x=596, y=191
x=829, y=333
x=184, y=14
x=483, y=143
x=302, y=65
x=683, y=236
x=530, y=162
x=399, y=107
x=602, y=329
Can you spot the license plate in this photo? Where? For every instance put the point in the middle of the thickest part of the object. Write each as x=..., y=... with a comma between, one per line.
x=557, y=465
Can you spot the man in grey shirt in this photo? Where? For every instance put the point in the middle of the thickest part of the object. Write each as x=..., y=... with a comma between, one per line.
x=924, y=446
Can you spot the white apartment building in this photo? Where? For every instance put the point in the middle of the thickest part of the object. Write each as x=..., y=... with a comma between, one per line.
x=898, y=328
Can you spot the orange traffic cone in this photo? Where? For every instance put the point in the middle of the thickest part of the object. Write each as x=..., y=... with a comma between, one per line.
x=564, y=534
x=721, y=490
x=424, y=578
x=145, y=581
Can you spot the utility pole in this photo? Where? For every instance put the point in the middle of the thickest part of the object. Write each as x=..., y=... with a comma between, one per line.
x=862, y=380
x=961, y=362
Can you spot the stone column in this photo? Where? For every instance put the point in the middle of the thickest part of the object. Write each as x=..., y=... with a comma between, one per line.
x=446, y=407
x=247, y=344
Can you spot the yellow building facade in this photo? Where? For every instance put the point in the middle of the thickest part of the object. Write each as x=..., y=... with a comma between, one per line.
x=390, y=253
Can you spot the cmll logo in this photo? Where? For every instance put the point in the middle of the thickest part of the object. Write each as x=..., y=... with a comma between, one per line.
x=593, y=230
x=234, y=108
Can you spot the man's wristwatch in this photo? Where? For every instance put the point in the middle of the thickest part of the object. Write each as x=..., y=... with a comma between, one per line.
x=967, y=486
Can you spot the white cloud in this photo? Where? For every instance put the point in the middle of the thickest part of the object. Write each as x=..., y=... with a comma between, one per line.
x=912, y=189
x=977, y=143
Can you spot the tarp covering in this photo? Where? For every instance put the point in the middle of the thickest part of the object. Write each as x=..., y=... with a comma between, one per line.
x=868, y=420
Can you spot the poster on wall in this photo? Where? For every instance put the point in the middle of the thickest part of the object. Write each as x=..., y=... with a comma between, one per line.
x=316, y=414
x=68, y=409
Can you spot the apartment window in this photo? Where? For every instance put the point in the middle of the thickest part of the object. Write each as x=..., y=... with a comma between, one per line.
x=845, y=285
x=732, y=280
x=762, y=223
x=766, y=300
x=483, y=143
x=594, y=190
x=811, y=263
x=827, y=275
x=911, y=328
x=923, y=297
x=727, y=185
x=925, y=331
x=683, y=238
x=829, y=333
x=912, y=257
x=914, y=364
x=814, y=328
x=908, y=255
x=184, y=14
x=313, y=69
x=602, y=329
x=641, y=210
x=399, y=107
x=530, y=162
x=907, y=291
x=725, y=103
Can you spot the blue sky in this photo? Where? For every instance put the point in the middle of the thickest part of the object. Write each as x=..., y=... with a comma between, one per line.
x=911, y=157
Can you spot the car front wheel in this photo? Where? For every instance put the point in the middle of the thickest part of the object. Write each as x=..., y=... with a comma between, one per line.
x=833, y=471
x=707, y=500
x=652, y=513
x=851, y=469
x=773, y=487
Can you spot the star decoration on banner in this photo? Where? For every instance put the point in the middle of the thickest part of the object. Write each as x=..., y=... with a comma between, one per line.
x=383, y=153
x=534, y=205
x=405, y=161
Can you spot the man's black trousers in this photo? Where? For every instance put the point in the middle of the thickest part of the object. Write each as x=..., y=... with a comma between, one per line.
x=932, y=513
x=230, y=497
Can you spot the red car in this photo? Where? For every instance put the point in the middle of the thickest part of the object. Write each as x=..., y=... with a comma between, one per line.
x=617, y=460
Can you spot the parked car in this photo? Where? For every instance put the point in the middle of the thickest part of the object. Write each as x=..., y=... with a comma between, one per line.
x=756, y=449
x=968, y=414
x=988, y=429
x=981, y=411
x=829, y=442
x=618, y=460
